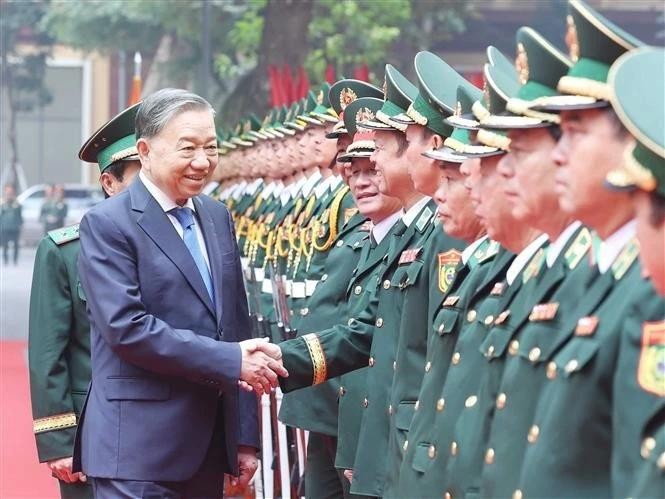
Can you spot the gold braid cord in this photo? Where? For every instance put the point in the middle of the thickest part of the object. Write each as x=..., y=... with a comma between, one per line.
x=58, y=422
x=335, y=207
x=318, y=358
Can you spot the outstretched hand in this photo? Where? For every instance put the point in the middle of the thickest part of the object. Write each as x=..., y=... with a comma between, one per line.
x=261, y=365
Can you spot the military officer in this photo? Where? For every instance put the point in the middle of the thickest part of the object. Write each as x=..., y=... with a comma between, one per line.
x=582, y=377
x=54, y=209
x=59, y=343
x=642, y=172
x=11, y=221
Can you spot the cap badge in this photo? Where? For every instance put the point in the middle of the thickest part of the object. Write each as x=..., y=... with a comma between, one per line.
x=346, y=97
x=522, y=64
x=571, y=39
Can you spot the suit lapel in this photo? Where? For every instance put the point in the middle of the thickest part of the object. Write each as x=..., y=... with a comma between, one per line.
x=211, y=239
x=159, y=228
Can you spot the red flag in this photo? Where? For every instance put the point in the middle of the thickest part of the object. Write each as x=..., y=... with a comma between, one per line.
x=137, y=83
x=302, y=84
x=362, y=73
x=275, y=86
x=287, y=84
x=330, y=74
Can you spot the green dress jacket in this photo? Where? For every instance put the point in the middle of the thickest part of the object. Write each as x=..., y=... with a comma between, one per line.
x=649, y=479
x=11, y=218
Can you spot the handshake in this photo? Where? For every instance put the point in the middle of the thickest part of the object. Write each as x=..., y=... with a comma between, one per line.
x=261, y=365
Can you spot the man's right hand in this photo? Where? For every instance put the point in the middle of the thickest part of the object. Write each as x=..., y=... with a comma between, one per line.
x=261, y=365
x=62, y=470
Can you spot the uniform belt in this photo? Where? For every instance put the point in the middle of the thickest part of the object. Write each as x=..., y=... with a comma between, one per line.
x=266, y=287
x=310, y=286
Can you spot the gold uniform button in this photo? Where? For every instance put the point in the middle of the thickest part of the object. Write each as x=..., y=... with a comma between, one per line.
x=456, y=358
x=551, y=370
x=514, y=347
x=351, y=322
x=357, y=290
x=442, y=328
x=371, y=362
x=431, y=452
x=453, y=448
x=571, y=365
x=324, y=277
x=416, y=405
x=517, y=494
x=660, y=462
x=405, y=446
x=648, y=444
x=534, y=354
x=386, y=284
x=488, y=320
x=471, y=316
x=490, y=350
x=489, y=456
x=304, y=311
x=394, y=365
x=428, y=366
x=501, y=401
x=440, y=404
x=379, y=322
x=340, y=243
x=534, y=431
x=390, y=410
x=470, y=402
x=342, y=391
x=447, y=495
x=365, y=403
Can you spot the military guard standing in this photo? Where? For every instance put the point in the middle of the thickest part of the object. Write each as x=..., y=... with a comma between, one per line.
x=11, y=221
x=59, y=332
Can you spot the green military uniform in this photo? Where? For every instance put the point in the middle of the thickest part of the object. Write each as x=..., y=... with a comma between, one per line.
x=59, y=332
x=53, y=214
x=11, y=221
x=642, y=389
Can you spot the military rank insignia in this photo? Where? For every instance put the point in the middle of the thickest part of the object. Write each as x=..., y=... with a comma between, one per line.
x=651, y=367
x=348, y=213
x=498, y=288
x=586, y=326
x=450, y=301
x=543, y=312
x=409, y=255
x=502, y=317
x=448, y=261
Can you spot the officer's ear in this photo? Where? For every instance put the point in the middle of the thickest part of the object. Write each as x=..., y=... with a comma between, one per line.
x=143, y=148
x=435, y=141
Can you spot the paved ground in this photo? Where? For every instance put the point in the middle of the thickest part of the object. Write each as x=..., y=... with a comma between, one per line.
x=21, y=476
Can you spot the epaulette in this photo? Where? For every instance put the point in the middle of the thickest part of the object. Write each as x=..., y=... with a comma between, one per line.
x=424, y=219
x=64, y=234
x=625, y=259
x=534, y=266
x=579, y=247
x=486, y=252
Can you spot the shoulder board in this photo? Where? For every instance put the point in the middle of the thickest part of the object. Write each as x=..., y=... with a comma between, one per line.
x=534, y=266
x=625, y=259
x=424, y=219
x=366, y=226
x=578, y=248
x=486, y=251
x=64, y=234
x=349, y=213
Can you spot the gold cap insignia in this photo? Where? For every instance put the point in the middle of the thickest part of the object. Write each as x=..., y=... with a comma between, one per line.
x=385, y=89
x=522, y=64
x=363, y=115
x=319, y=98
x=486, y=95
x=346, y=97
x=458, y=109
x=571, y=39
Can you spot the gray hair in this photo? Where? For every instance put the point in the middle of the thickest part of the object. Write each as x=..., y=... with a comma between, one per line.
x=160, y=107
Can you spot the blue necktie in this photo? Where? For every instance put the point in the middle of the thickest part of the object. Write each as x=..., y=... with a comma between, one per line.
x=186, y=218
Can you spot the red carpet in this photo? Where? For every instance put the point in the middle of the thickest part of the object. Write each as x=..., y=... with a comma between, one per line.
x=21, y=475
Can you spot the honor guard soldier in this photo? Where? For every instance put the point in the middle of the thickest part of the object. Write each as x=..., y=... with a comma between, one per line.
x=642, y=470
x=59, y=332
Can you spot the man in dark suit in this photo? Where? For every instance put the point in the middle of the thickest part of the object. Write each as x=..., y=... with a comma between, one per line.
x=164, y=415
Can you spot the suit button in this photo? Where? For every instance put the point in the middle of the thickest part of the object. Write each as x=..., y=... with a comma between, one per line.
x=371, y=362
x=551, y=370
x=470, y=402
x=324, y=277
x=471, y=316
x=440, y=404
x=489, y=456
x=648, y=444
x=365, y=403
x=406, y=445
x=416, y=405
x=379, y=322
x=340, y=243
x=431, y=452
x=304, y=311
x=517, y=494
x=342, y=391
x=488, y=320
x=571, y=365
x=357, y=290
x=456, y=358
x=453, y=448
x=386, y=284
x=534, y=431
x=428, y=367
x=501, y=401
x=514, y=347
x=534, y=354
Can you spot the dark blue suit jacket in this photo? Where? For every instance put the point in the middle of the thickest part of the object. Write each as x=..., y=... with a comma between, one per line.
x=161, y=352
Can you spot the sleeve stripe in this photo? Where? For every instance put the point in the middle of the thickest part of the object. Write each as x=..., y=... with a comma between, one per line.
x=58, y=422
x=318, y=358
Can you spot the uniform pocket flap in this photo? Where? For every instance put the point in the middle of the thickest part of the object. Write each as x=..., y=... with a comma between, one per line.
x=496, y=342
x=404, y=415
x=446, y=320
x=423, y=457
x=129, y=388
x=577, y=355
x=407, y=275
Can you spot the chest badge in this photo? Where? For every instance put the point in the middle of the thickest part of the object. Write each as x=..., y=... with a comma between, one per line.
x=448, y=262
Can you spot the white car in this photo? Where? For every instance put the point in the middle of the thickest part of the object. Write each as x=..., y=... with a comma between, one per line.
x=79, y=198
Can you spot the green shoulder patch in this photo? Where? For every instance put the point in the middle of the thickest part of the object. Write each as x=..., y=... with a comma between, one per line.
x=64, y=234
x=424, y=219
x=625, y=259
x=578, y=248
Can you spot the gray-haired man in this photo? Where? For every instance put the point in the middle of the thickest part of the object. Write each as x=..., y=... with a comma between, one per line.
x=164, y=415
